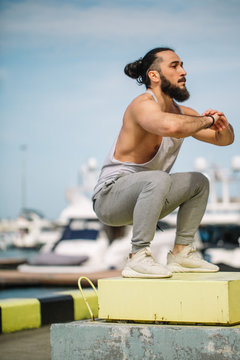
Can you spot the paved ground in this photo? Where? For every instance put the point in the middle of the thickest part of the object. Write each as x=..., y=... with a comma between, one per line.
x=26, y=345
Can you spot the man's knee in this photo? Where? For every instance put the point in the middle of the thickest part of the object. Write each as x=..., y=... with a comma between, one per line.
x=201, y=180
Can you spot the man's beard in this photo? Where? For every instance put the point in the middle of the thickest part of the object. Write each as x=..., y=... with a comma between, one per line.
x=173, y=91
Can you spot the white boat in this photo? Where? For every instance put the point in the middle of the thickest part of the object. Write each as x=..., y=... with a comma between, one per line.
x=84, y=248
x=32, y=230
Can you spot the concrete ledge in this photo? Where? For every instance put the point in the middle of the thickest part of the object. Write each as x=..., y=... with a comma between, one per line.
x=19, y=314
x=125, y=341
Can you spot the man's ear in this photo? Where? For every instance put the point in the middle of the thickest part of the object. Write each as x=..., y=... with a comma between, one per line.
x=154, y=76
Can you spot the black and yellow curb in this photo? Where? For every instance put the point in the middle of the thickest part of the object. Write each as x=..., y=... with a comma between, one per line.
x=19, y=314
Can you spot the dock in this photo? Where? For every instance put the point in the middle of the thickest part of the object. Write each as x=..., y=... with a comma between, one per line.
x=9, y=278
x=11, y=263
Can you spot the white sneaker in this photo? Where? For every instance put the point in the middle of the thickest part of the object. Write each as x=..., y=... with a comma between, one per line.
x=143, y=265
x=188, y=260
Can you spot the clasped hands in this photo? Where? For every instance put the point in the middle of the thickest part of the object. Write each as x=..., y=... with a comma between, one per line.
x=220, y=119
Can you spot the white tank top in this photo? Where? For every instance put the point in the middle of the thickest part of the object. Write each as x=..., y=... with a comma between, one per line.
x=162, y=160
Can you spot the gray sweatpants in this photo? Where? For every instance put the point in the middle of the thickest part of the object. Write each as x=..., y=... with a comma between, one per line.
x=145, y=197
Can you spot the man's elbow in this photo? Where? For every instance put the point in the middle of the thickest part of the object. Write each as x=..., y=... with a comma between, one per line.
x=230, y=142
x=225, y=141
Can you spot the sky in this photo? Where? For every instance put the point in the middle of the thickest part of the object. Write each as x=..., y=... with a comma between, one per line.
x=63, y=91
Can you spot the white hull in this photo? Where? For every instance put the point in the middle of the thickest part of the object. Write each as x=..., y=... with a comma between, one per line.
x=105, y=257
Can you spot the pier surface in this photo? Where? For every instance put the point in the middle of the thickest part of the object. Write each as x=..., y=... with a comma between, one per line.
x=26, y=345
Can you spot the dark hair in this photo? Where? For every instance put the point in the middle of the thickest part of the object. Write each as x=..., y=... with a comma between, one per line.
x=139, y=68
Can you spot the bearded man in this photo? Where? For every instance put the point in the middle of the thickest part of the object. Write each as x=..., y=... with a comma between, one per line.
x=135, y=185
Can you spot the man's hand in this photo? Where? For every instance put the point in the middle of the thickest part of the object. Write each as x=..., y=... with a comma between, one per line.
x=223, y=133
x=220, y=119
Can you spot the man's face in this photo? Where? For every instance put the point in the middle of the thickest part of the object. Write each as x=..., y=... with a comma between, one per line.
x=172, y=75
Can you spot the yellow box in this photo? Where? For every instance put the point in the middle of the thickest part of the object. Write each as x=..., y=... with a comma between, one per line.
x=211, y=298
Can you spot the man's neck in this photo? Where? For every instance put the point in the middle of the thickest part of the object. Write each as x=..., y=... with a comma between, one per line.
x=164, y=100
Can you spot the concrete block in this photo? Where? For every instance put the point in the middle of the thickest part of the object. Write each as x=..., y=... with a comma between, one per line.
x=208, y=298
x=19, y=314
x=81, y=340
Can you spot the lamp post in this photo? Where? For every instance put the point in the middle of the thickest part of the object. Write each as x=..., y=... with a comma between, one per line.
x=23, y=149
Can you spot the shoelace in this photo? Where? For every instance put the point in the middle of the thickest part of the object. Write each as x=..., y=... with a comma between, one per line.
x=149, y=257
x=193, y=252
x=148, y=252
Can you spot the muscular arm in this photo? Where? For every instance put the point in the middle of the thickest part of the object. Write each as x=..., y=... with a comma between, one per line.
x=149, y=115
x=221, y=136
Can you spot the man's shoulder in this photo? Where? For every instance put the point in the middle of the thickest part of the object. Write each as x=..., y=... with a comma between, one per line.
x=142, y=101
x=142, y=98
x=188, y=110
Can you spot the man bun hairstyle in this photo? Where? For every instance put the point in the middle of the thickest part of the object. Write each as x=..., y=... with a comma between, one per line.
x=139, y=68
x=134, y=69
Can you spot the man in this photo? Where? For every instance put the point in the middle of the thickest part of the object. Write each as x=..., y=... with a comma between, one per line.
x=135, y=186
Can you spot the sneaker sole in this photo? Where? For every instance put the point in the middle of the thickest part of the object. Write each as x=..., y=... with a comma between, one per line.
x=178, y=268
x=130, y=273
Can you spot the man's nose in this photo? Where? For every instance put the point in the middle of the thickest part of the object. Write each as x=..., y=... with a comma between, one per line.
x=182, y=71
